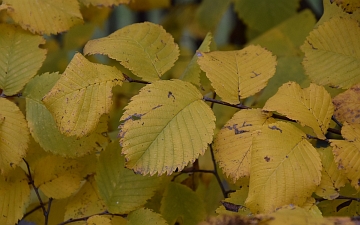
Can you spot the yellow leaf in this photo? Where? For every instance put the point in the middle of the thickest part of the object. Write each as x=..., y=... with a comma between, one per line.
x=14, y=136
x=57, y=177
x=47, y=134
x=106, y=3
x=233, y=143
x=145, y=5
x=98, y=220
x=166, y=126
x=332, y=53
x=311, y=106
x=346, y=152
x=121, y=189
x=14, y=196
x=332, y=179
x=347, y=105
x=144, y=48
x=20, y=57
x=349, y=6
x=81, y=95
x=238, y=74
x=144, y=216
x=44, y=16
x=285, y=168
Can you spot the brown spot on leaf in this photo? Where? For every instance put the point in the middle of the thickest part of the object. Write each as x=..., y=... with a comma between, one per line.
x=267, y=158
x=275, y=128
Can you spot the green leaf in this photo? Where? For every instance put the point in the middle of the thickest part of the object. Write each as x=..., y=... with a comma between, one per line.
x=44, y=16
x=166, y=126
x=144, y=48
x=238, y=74
x=43, y=127
x=180, y=204
x=121, y=189
x=144, y=216
x=81, y=95
x=20, y=57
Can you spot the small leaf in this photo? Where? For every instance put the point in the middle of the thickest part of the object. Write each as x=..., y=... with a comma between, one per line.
x=347, y=105
x=346, y=152
x=166, y=126
x=144, y=48
x=47, y=134
x=14, y=196
x=106, y=3
x=233, y=143
x=14, y=136
x=333, y=41
x=20, y=57
x=121, y=189
x=180, y=204
x=81, y=95
x=44, y=16
x=144, y=216
x=311, y=106
x=238, y=74
x=285, y=168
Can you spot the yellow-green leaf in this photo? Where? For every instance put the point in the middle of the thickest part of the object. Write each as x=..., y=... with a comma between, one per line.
x=20, y=57
x=332, y=53
x=349, y=6
x=233, y=143
x=14, y=196
x=43, y=127
x=332, y=179
x=145, y=216
x=57, y=177
x=192, y=71
x=285, y=168
x=106, y=3
x=346, y=152
x=238, y=74
x=180, y=204
x=14, y=136
x=144, y=48
x=347, y=105
x=166, y=126
x=121, y=189
x=81, y=95
x=311, y=106
x=145, y=5
x=44, y=16
x=98, y=220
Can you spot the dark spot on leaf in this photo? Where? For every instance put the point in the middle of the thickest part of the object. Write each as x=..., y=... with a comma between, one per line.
x=255, y=74
x=158, y=106
x=98, y=144
x=231, y=206
x=105, y=134
x=170, y=94
x=275, y=128
x=267, y=159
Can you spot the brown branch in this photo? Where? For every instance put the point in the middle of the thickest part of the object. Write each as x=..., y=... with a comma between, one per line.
x=129, y=79
x=87, y=217
x=238, y=106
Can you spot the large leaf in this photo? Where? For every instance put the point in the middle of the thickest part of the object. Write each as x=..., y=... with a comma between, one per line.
x=20, y=57
x=166, y=126
x=144, y=48
x=43, y=127
x=349, y=6
x=347, y=105
x=238, y=74
x=14, y=196
x=180, y=204
x=233, y=143
x=14, y=136
x=311, y=106
x=347, y=152
x=121, y=189
x=332, y=53
x=285, y=168
x=44, y=16
x=144, y=216
x=81, y=95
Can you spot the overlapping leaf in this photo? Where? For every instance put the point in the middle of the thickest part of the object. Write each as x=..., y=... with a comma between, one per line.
x=347, y=152
x=166, y=126
x=20, y=57
x=347, y=105
x=44, y=16
x=144, y=48
x=311, y=106
x=285, y=168
x=146, y=5
x=180, y=202
x=121, y=189
x=348, y=5
x=233, y=143
x=332, y=53
x=143, y=216
x=238, y=74
x=105, y=3
x=14, y=136
x=43, y=127
x=81, y=95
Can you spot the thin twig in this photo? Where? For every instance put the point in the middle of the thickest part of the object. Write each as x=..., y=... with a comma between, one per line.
x=129, y=79
x=87, y=217
x=2, y=95
x=336, y=121
x=216, y=172
x=33, y=210
x=348, y=198
x=48, y=211
x=238, y=106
